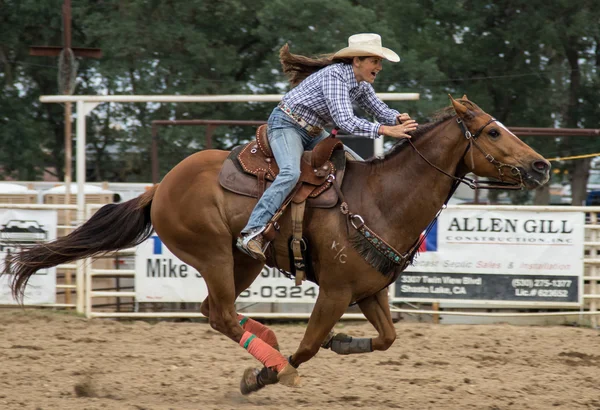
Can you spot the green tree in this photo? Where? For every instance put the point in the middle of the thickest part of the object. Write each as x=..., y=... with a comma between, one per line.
x=577, y=44
x=31, y=133
x=529, y=63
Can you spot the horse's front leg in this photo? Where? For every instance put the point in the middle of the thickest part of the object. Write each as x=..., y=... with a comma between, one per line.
x=377, y=311
x=328, y=309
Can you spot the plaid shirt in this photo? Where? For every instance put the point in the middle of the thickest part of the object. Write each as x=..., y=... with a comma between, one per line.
x=326, y=96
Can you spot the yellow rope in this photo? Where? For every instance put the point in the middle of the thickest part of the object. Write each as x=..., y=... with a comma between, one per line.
x=573, y=157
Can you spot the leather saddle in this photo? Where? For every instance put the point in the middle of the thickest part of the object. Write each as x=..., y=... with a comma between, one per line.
x=250, y=169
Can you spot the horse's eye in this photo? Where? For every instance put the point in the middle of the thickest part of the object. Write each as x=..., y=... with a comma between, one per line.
x=493, y=133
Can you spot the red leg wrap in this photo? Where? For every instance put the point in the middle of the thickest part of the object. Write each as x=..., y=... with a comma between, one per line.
x=260, y=330
x=263, y=352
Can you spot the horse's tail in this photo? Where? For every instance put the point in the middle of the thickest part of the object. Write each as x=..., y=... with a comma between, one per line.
x=113, y=227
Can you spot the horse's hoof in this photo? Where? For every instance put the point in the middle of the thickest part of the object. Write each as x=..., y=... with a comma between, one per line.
x=327, y=342
x=249, y=383
x=267, y=376
x=289, y=376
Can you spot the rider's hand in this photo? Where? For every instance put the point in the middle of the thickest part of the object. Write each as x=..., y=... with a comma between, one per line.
x=402, y=117
x=399, y=131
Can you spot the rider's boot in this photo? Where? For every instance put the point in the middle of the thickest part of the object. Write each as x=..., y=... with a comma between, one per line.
x=253, y=244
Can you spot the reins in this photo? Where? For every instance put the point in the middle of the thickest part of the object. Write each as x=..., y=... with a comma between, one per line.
x=400, y=260
x=472, y=142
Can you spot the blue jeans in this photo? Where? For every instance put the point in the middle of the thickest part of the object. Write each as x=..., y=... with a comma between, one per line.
x=288, y=143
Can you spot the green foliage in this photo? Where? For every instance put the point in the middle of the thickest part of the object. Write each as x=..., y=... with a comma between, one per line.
x=530, y=63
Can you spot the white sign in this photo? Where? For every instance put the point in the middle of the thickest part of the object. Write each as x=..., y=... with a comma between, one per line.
x=162, y=277
x=21, y=228
x=499, y=255
x=272, y=286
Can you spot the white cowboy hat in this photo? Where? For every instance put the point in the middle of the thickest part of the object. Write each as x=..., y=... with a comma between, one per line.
x=367, y=44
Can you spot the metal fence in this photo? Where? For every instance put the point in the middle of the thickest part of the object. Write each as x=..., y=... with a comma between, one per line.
x=108, y=289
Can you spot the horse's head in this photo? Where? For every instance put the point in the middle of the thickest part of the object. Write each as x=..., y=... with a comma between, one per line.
x=495, y=152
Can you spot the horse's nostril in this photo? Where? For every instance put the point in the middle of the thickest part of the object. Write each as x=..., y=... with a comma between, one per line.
x=541, y=166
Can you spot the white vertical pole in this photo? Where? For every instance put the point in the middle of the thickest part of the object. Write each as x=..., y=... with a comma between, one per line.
x=83, y=109
x=80, y=176
x=378, y=147
x=593, y=270
x=88, y=286
x=80, y=285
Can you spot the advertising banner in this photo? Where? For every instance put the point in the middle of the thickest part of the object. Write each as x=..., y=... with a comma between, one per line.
x=18, y=228
x=521, y=257
x=161, y=277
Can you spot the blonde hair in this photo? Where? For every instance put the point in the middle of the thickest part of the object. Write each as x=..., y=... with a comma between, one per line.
x=297, y=67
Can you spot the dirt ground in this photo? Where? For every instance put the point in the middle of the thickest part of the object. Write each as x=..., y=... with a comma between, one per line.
x=53, y=360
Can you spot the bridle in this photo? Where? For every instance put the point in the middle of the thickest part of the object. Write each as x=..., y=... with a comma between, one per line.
x=396, y=260
x=472, y=142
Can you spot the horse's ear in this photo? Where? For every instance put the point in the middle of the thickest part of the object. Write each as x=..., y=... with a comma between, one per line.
x=461, y=110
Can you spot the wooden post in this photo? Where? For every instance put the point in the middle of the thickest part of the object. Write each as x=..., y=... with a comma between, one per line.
x=435, y=306
x=209, y=134
x=54, y=51
x=154, y=154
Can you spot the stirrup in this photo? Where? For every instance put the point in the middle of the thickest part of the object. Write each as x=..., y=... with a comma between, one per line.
x=244, y=239
x=240, y=245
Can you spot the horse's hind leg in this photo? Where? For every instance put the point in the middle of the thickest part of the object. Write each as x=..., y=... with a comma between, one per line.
x=377, y=311
x=245, y=272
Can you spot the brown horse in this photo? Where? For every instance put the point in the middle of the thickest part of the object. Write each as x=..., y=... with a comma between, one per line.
x=397, y=196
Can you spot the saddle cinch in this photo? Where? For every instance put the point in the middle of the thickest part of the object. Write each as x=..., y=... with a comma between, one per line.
x=250, y=169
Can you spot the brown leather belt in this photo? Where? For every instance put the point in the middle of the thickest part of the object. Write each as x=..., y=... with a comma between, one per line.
x=312, y=130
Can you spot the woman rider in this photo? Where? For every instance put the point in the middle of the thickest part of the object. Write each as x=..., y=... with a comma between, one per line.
x=323, y=93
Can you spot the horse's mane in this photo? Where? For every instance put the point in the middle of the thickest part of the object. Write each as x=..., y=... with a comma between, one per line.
x=437, y=118
x=372, y=255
